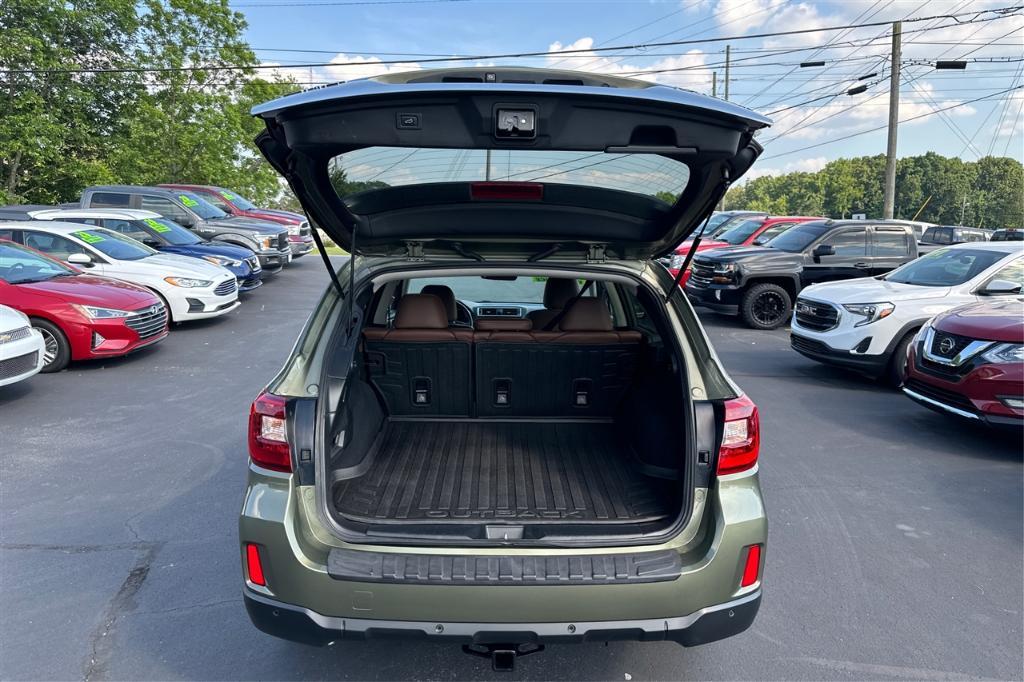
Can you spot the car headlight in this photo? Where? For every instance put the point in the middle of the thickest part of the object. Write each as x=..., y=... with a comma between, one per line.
x=871, y=312
x=222, y=260
x=1004, y=353
x=294, y=230
x=724, y=268
x=265, y=241
x=677, y=261
x=94, y=313
x=187, y=282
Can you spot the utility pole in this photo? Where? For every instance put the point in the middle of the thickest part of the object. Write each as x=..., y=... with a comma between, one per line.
x=727, y=52
x=714, y=84
x=889, y=200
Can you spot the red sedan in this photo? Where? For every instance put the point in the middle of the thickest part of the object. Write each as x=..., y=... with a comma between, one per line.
x=300, y=236
x=969, y=362
x=80, y=316
x=756, y=230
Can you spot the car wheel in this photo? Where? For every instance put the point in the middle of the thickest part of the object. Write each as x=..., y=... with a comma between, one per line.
x=766, y=306
x=56, y=349
x=896, y=371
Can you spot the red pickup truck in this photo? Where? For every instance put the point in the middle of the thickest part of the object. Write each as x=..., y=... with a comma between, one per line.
x=755, y=230
x=300, y=235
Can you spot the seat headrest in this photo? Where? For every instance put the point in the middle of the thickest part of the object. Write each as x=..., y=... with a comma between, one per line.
x=421, y=311
x=587, y=315
x=447, y=297
x=558, y=291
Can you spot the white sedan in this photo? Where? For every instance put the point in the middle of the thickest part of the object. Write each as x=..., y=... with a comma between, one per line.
x=192, y=289
x=21, y=347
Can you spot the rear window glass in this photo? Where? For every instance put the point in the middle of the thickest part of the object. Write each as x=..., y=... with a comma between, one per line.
x=377, y=167
x=479, y=290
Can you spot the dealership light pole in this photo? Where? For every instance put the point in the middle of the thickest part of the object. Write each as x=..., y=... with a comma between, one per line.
x=889, y=200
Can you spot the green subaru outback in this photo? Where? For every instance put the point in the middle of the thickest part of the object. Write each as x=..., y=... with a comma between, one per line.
x=503, y=425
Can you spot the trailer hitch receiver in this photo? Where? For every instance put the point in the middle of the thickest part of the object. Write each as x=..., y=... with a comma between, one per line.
x=503, y=656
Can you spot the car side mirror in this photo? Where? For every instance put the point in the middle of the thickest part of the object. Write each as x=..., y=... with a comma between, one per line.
x=185, y=221
x=1001, y=286
x=824, y=250
x=82, y=259
x=152, y=243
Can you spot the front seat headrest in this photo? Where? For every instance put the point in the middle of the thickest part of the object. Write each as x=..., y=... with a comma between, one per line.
x=587, y=315
x=558, y=291
x=447, y=297
x=421, y=311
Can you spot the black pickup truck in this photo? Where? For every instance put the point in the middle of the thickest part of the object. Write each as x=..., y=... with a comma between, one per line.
x=761, y=283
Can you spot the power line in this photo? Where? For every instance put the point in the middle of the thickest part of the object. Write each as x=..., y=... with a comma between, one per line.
x=1002, y=12
x=905, y=120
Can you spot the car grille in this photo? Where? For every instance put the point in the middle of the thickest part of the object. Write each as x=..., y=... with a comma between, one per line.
x=701, y=274
x=947, y=345
x=282, y=240
x=148, y=322
x=304, y=230
x=819, y=317
x=940, y=394
x=20, y=364
x=15, y=335
x=226, y=287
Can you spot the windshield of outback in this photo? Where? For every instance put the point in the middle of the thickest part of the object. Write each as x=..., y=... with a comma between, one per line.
x=377, y=167
x=945, y=267
x=798, y=238
x=480, y=290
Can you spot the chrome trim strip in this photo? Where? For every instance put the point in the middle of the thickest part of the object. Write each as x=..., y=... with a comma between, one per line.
x=942, y=406
x=468, y=630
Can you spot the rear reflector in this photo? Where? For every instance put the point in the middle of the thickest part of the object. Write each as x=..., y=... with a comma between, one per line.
x=254, y=566
x=268, y=438
x=752, y=568
x=515, y=191
x=742, y=438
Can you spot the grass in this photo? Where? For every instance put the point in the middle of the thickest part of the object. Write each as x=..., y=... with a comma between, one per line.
x=336, y=251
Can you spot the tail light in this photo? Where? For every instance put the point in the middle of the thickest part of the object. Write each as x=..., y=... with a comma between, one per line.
x=742, y=438
x=514, y=191
x=751, y=568
x=268, y=433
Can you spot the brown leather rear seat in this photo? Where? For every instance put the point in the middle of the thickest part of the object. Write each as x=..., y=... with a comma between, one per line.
x=582, y=370
x=421, y=366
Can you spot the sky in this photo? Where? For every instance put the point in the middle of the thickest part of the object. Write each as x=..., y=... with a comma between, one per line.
x=808, y=105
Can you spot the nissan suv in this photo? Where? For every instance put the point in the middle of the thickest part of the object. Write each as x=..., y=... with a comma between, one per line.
x=503, y=424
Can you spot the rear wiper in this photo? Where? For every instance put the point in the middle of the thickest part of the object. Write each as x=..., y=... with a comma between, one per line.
x=465, y=253
x=546, y=253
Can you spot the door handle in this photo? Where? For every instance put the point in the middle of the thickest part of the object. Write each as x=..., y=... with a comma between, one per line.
x=861, y=265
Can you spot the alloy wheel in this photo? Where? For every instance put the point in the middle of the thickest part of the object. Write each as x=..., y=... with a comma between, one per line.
x=768, y=308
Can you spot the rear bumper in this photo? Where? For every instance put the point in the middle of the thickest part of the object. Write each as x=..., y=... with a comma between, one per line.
x=309, y=627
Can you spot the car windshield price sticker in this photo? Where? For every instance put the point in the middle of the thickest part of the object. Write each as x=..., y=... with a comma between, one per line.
x=157, y=227
x=188, y=201
x=227, y=195
x=88, y=237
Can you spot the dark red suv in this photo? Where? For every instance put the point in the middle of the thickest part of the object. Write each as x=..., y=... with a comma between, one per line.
x=300, y=235
x=969, y=362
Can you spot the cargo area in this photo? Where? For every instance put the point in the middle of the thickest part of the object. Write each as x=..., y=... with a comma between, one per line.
x=563, y=418
x=547, y=472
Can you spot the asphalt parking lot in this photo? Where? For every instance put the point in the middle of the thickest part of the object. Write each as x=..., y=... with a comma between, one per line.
x=895, y=548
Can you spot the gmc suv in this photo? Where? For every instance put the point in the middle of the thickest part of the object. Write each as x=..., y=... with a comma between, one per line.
x=503, y=425
x=269, y=241
x=761, y=283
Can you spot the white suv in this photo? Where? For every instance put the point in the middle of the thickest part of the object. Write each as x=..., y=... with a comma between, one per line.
x=866, y=324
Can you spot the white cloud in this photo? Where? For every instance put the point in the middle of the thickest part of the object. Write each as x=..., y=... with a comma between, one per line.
x=809, y=165
x=687, y=70
x=346, y=67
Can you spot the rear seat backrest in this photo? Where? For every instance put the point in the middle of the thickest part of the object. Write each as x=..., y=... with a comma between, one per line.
x=583, y=370
x=420, y=366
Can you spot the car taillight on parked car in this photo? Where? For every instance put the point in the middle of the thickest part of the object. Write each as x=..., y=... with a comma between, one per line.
x=742, y=438
x=268, y=438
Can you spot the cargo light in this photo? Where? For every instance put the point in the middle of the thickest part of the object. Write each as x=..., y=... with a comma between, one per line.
x=254, y=566
x=752, y=567
x=742, y=437
x=268, y=439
